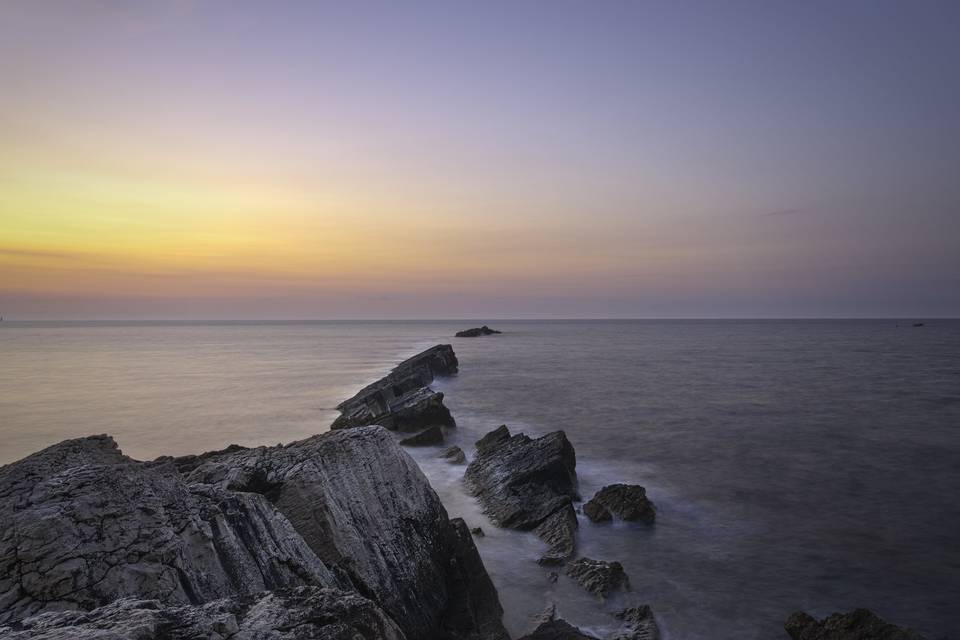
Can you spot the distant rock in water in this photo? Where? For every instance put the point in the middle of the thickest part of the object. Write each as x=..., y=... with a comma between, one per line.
x=427, y=437
x=860, y=624
x=528, y=484
x=454, y=455
x=402, y=400
x=627, y=501
x=476, y=332
x=597, y=576
x=339, y=535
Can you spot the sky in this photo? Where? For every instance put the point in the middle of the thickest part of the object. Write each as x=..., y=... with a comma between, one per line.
x=274, y=160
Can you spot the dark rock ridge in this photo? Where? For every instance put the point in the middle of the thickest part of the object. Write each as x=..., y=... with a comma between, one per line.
x=860, y=624
x=528, y=484
x=427, y=437
x=627, y=501
x=287, y=614
x=345, y=514
x=402, y=400
x=598, y=576
x=476, y=332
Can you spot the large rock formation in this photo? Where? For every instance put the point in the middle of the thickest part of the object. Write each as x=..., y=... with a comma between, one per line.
x=476, y=332
x=300, y=613
x=627, y=501
x=402, y=400
x=528, y=484
x=84, y=526
x=860, y=624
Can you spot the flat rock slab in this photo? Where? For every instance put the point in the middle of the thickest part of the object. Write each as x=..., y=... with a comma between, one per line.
x=522, y=483
x=402, y=400
x=860, y=624
x=626, y=501
x=427, y=437
x=598, y=576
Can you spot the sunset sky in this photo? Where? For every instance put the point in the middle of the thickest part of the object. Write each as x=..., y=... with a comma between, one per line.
x=486, y=159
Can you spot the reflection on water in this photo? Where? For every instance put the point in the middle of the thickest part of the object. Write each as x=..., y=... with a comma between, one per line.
x=795, y=465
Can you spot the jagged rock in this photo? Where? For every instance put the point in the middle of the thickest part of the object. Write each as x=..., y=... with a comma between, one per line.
x=476, y=332
x=426, y=438
x=557, y=629
x=522, y=483
x=401, y=400
x=638, y=623
x=860, y=624
x=289, y=614
x=454, y=455
x=477, y=531
x=597, y=512
x=84, y=525
x=597, y=576
x=363, y=505
x=628, y=501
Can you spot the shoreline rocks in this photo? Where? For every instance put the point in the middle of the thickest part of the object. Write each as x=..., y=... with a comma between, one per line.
x=402, y=400
x=860, y=624
x=528, y=484
x=598, y=576
x=454, y=455
x=626, y=501
x=426, y=438
x=476, y=332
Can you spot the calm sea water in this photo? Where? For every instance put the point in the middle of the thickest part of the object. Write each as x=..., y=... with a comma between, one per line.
x=796, y=465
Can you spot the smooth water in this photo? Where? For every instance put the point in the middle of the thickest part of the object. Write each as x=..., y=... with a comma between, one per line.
x=807, y=465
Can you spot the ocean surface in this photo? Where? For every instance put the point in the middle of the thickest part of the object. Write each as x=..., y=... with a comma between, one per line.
x=809, y=465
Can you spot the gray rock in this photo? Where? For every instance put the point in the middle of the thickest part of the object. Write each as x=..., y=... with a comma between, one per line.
x=597, y=576
x=597, y=512
x=454, y=455
x=402, y=400
x=557, y=629
x=290, y=614
x=860, y=624
x=477, y=531
x=84, y=525
x=365, y=508
x=426, y=438
x=528, y=484
x=476, y=332
x=638, y=623
x=627, y=501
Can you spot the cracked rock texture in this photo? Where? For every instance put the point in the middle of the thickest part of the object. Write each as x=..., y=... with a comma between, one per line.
x=860, y=624
x=349, y=511
x=626, y=501
x=598, y=576
x=528, y=484
x=402, y=400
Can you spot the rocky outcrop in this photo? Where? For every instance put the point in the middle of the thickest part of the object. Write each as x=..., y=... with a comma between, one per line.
x=426, y=438
x=477, y=332
x=557, y=629
x=83, y=525
x=347, y=513
x=597, y=576
x=860, y=624
x=638, y=623
x=528, y=484
x=627, y=501
x=454, y=455
x=402, y=400
x=288, y=614
x=364, y=507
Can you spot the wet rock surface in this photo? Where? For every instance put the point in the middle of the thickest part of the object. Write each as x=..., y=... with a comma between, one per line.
x=454, y=455
x=626, y=501
x=860, y=624
x=598, y=576
x=476, y=332
x=427, y=437
x=638, y=623
x=528, y=484
x=402, y=400
x=85, y=526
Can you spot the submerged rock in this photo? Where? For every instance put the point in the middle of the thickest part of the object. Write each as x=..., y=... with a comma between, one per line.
x=528, y=484
x=476, y=332
x=427, y=437
x=597, y=576
x=454, y=455
x=860, y=624
x=288, y=614
x=638, y=624
x=402, y=400
x=628, y=501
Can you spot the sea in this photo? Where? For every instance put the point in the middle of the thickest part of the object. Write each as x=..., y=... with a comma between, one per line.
x=795, y=465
